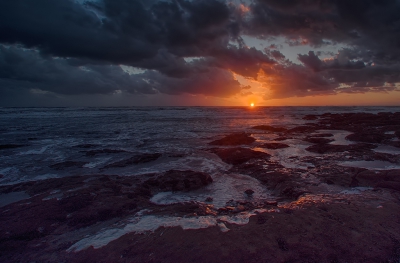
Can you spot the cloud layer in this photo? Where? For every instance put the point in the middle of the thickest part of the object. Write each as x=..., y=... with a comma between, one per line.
x=66, y=47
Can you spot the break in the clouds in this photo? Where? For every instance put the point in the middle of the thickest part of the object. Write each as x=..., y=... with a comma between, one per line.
x=72, y=48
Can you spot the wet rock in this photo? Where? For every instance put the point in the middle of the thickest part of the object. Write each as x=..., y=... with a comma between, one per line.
x=138, y=159
x=272, y=203
x=310, y=117
x=302, y=129
x=249, y=192
x=274, y=146
x=238, y=155
x=380, y=179
x=282, y=244
x=209, y=199
x=234, y=139
x=318, y=140
x=175, y=180
x=317, y=135
x=269, y=128
x=261, y=219
x=368, y=137
x=239, y=208
x=10, y=146
x=282, y=138
x=67, y=164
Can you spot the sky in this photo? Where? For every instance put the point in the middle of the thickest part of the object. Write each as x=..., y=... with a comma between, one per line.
x=199, y=53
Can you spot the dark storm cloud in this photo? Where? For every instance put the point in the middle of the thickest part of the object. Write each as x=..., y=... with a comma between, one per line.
x=369, y=24
x=71, y=48
x=370, y=29
x=27, y=69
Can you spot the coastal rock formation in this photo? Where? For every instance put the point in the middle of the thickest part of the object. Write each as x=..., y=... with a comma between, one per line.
x=269, y=128
x=238, y=155
x=274, y=146
x=234, y=139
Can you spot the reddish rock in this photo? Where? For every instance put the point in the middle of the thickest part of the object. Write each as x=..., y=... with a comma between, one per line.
x=274, y=146
x=282, y=138
x=322, y=135
x=302, y=129
x=269, y=128
x=234, y=139
x=272, y=203
x=238, y=155
x=310, y=117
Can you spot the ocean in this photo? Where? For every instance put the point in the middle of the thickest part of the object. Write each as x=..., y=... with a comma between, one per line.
x=40, y=143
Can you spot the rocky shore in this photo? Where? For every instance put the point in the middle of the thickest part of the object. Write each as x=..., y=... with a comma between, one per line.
x=341, y=203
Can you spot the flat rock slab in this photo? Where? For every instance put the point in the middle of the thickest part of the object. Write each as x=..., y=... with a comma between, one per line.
x=238, y=155
x=234, y=139
x=274, y=146
x=269, y=128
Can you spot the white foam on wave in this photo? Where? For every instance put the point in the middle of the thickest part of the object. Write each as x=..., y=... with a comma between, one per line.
x=224, y=188
x=141, y=224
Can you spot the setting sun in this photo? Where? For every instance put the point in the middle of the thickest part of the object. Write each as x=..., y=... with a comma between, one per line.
x=251, y=104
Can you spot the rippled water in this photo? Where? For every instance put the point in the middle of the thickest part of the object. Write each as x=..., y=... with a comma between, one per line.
x=50, y=136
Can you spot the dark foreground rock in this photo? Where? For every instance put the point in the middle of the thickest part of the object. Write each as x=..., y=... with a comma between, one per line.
x=274, y=146
x=356, y=229
x=318, y=140
x=234, y=139
x=175, y=180
x=269, y=128
x=238, y=155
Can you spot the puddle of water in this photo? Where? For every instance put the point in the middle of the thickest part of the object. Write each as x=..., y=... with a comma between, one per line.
x=338, y=136
x=224, y=188
x=371, y=165
x=6, y=199
x=296, y=149
x=387, y=149
x=356, y=190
